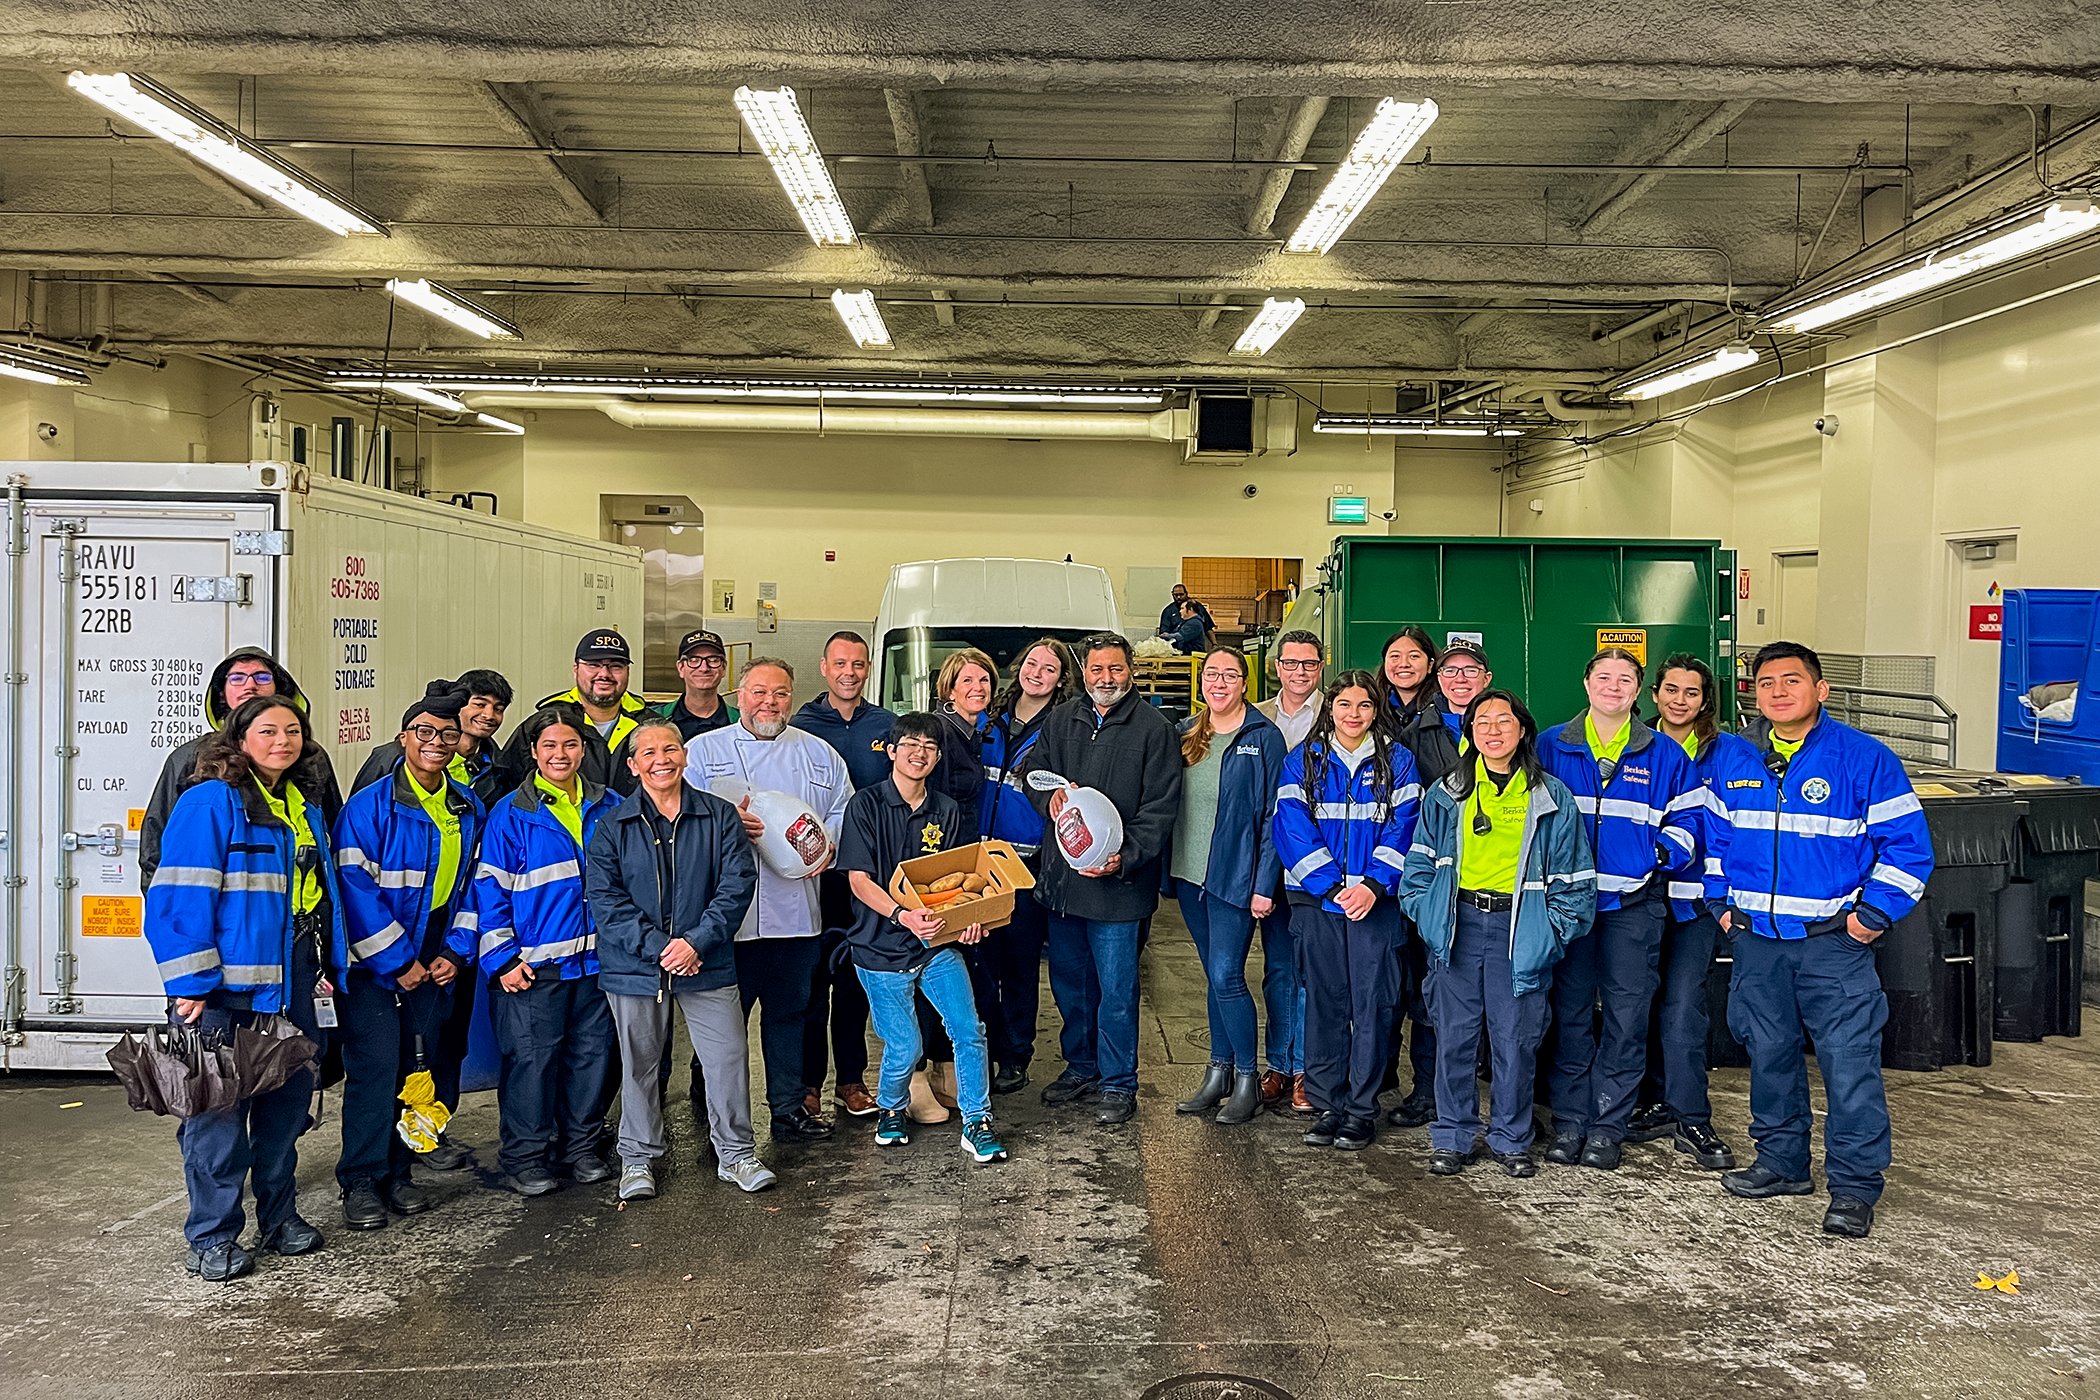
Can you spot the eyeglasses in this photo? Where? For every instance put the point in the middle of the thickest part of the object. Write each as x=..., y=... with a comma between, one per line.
x=1496, y=722
x=250, y=677
x=431, y=734
x=917, y=746
x=1462, y=673
x=702, y=662
x=1299, y=665
x=600, y=668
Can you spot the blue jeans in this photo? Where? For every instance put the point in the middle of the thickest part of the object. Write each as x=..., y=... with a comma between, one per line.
x=1596, y=1078
x=1830, y=986
x=1006, y=971
x=1282, y=995
x=1475, y=995
x=1223, y=934
x=945, y=982
x=1094, y=979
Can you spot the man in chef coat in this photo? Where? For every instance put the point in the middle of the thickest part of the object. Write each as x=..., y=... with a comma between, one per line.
x=780, y=940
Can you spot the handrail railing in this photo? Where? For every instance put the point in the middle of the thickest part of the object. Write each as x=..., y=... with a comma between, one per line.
x=1926, y=732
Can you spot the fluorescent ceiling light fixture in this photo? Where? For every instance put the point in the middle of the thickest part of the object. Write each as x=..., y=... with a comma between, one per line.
x=16, y=365
x=504, y=423
x=1383, y=145
x=1712, y=366
x=1268, y=326
x=831, y=391
x=862, y=318
x=775, y=120
x=451, y=306
x=146, y=104
x=421, y=392
x=1397, y=426
x=2065, y=219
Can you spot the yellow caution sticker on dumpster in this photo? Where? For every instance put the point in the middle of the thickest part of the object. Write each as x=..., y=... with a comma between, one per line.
x=1633, y=639
x=112, y=916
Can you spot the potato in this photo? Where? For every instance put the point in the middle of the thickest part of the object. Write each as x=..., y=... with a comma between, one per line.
x=947, y=882
x=975, y=884
x=922, y=890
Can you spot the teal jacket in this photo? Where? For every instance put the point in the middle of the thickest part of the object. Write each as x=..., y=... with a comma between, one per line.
x=1556, y=894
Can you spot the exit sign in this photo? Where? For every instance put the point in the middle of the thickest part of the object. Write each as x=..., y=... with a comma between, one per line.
x=1348, y=510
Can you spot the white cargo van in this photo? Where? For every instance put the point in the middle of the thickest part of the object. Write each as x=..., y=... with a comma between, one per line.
x=999, y=606
x=127, y=582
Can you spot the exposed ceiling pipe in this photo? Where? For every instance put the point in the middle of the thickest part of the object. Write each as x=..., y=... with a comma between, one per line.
x=1297, y=134
x=1653, y=318
x=1561, y=411
x=1165, y=425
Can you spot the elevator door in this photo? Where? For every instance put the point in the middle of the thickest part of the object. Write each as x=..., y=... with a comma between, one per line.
x=674, y=598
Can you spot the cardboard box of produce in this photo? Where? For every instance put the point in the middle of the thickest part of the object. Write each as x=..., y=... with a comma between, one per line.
x=996, y=863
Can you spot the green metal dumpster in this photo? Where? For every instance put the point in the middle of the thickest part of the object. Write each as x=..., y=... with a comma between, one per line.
x=1540, y=607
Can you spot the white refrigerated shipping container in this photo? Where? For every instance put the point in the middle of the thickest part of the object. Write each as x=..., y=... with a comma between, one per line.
x=127, y=583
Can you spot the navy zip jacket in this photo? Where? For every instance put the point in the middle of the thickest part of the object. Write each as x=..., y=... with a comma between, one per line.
x=1347, y=832
x=488, y=775
x=1004, y=810
x=219, y=911
x=1841, y=832
x=713, y=880
x=859, y=741
x=528, y=888
x=1646, y=819
x=1243, y=859
x=1688, y=888
x=960, y=772
x=387, y=850
x=1421, y=730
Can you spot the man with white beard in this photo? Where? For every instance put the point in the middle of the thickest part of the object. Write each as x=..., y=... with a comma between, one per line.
x=1112, y=740
x=778, y=945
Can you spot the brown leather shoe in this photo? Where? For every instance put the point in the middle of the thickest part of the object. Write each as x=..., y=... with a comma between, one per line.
x=1274, y=1085
x=855, y=1100
x=813, y=1101
x=1299, y=1103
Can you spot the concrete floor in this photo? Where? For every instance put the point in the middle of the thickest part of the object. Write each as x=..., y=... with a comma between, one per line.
x=1094, y=1263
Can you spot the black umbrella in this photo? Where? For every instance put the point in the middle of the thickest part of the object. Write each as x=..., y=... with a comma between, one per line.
x=184, y=1071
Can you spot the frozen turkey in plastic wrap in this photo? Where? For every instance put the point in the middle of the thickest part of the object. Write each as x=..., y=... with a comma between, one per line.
x=794, y=843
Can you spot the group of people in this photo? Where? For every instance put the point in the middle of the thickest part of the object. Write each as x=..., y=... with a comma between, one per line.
x=1413, y=850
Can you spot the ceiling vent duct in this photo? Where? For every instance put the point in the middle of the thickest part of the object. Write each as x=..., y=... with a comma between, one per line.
x=1233, y=425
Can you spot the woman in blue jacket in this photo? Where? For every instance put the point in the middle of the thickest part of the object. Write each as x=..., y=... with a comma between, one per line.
x=1640, y=803
x=405, y=860
x=537, y=945
x=1345, y=813
x=1224, y=858
x=243, y=919
x=1006, y=969
x=1499, y=883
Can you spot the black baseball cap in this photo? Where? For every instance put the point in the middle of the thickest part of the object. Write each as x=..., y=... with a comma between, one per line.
x=1469, y=648
x=603, y=644
x=700, y=640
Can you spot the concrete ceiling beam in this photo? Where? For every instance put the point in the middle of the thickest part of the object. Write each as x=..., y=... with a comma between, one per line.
x=1679, y=135
x=516, y=108
x=1943, y=50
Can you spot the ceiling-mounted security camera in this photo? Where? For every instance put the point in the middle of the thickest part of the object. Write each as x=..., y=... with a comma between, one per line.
x=1388, y=514
x=47, y=431
x=1827, y=425
x=1538, y=507
x=1250, y=490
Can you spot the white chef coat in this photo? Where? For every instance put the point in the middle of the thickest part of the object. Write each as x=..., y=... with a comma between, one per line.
x=796, y=763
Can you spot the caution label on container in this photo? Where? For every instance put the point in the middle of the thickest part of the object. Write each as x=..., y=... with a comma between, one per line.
x=1633, y=639
x=112, y=916
x=134, y=818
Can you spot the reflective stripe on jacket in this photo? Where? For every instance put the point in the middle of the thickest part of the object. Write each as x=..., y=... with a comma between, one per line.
x=219, y=910
x=528, y=888
x=1556, y=892
x=1841, y=830
x=1344, y=834
x=1647, y=818
x=1688, y=887
x=386, y=856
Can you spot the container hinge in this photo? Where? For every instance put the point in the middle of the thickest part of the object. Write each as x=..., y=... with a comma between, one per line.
x=61, y=1006
x=278, y=542
x=220, y=588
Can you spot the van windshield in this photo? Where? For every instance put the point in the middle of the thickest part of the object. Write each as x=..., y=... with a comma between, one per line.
x=912, y=656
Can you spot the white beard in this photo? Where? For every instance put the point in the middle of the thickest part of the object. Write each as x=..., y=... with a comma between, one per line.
x=1105, y=697
x=766, y=728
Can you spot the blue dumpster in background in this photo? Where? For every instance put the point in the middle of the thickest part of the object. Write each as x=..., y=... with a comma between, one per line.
x=2051, y=636
x=484, y=1061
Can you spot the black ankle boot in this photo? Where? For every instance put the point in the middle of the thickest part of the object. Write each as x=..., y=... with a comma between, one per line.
x=1245, y=1101
x=1217, y=1083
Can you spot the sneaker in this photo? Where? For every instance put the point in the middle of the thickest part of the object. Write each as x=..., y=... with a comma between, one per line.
x=447, y=1156
x=980, y=1143
x=221, y=1263
x=854, y=1100
x=748, y=1175
x=589, y=1169
x=892, y=1128
x=532, y=1181
x=293, y=1237
x=637, y=1182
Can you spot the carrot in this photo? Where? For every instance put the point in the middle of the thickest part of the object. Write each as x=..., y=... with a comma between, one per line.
x=935, y=901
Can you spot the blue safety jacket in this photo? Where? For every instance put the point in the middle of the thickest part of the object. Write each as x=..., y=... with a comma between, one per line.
x=1688, y=887
x=1555, y=897
x=386, y=856
x=1841, y=831
x=528, y=888
x=1647, y=818
x=219, y=910
x=1243, y=860
x=1004, y=812
x=1346, y=833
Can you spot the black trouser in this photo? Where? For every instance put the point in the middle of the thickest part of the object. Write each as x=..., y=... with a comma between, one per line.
x=378, y=1032
x=1414, y=1003
x=1351, y=981
x=837, y=1028
x=776, y=973
x=556, y=1037
x=1006, y=972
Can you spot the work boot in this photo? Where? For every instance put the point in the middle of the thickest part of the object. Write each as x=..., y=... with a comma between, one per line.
x=925, y=1108
x=1323, y=1130
x=1217, y=1083
x=1448, y=1162
x=1011, y=1079
x=1245, y=1101
x=1566, y=1149
x=223, y=1263
x=1069, y=1088
x=362, y=1208
x=1116, y=1108
x=1414, y=1111
x=292, y=1237
x=1517, y=1164
x=1601, y=1152
x=1301, y=1102
x=1757, y=1181
x=1705, y=1145
x=1275, y=1085
x=404, y=1197
x=1648, y=1124
x=447, y=1156
x=1848, y=1216
x=1355, y=1134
